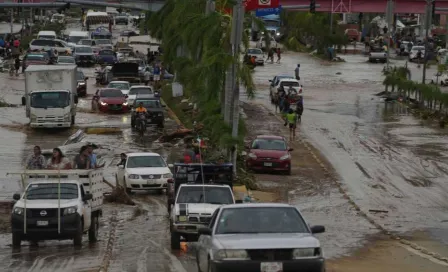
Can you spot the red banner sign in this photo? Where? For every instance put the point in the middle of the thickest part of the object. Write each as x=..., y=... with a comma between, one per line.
x=250, y=5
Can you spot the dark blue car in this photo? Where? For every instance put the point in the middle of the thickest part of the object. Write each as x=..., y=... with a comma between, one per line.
x=106, y=56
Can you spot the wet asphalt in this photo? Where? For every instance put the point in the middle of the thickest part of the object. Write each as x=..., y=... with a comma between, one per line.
x=387, y=160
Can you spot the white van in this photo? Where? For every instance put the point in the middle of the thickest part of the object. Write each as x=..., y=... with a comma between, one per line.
x=75, y=36
x=51, y=35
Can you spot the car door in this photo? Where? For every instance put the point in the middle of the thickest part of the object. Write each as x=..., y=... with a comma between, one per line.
x=86, y=210
x=205, y=244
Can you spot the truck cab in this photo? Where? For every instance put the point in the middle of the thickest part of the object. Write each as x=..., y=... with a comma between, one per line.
x=57, y=205
x=193, y=209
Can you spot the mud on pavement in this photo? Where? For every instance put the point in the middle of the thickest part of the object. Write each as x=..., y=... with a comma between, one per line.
x=315, y=189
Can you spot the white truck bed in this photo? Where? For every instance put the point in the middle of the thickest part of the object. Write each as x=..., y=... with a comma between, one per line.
x=92, y=181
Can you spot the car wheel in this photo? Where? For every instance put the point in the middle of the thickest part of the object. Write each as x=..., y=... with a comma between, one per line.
x=77, y=240
x=175, y=241
x=73, y=120
x=288, y=172
x=210, y=267
x=16, y=240
x=93, y=230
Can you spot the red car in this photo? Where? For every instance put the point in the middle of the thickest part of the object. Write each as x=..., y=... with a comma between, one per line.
x=110, y=100
x=271, y=153
x=35, y=59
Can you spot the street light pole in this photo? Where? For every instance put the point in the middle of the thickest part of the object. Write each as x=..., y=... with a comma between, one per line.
x=428, y=21
x=389, y=17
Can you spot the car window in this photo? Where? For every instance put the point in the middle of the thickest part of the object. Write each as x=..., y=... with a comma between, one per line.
x=148, y=103
x=269, y=144
x=141, y=90
x=213, y=219
x=35, y=57
x=107, y=53
x=145, y=161
x=79, y=75
x=58, y=44
x=111, y=93
x=207, y=194
x=83, y=50
x=119, y=85
x=261, y=220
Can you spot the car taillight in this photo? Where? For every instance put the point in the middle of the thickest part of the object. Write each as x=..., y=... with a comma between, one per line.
x=170, y=180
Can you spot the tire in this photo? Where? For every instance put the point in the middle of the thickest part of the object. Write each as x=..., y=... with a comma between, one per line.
x=161, y=125
x=16, y=240
x=288, y=172
x=175, y=241
x=73, y=121
x=210, y=268
x=77, y=239
x=93, y=230
x=132, y=123
x=128, y=191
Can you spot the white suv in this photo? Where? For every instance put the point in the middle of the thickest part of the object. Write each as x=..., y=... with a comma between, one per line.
x=59, y=45
x=144, y=172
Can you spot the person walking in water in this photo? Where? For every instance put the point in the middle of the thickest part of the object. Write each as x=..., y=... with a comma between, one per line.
x=279, y=55
x=297, y=72
x=36, y=160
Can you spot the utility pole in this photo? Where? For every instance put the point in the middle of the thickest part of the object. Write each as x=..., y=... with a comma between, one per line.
x=237, y=34
x=428, y=20
x=389, y=18
x=12, y=20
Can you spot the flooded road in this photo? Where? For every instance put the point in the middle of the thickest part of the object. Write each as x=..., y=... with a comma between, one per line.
x=386, y=159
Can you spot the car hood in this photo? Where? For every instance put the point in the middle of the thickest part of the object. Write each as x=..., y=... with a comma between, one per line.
x=267, y=241
x=276, y=154
x=148, y=171
x=46, y=203
x=113, y=100
x=198, y=208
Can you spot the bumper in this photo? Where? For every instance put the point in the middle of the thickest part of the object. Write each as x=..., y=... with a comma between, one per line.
x=259, y=62
x=51, y=125
x=69, y=226
x=274, y=165
x=113, y=108
x=305, y=265
x=145, y=185
x=187, y=228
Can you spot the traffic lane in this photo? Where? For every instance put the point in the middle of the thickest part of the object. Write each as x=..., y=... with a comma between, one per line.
x=387, y=160
x=310, y=188
x=143, y=242
x=60, y=256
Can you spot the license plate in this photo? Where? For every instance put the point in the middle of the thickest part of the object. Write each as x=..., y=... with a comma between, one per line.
x=42, y=223
x=271, y=267
x=268, y=164
x=151, y=181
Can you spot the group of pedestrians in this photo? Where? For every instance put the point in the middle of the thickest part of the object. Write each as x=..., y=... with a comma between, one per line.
x=86, y=159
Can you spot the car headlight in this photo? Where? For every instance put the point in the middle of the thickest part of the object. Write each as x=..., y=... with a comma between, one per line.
x=285, y=157
x=252, y=156
x=70, y=210
x=67, y=117
x=168, y=175
x=132, y=176
x=278, y=33
x=18, y=211
x=181, y=218
x=125, y=103
x=232, y=254
x=306, y=253
x=102, y=103
x=262, y=33
x=33, y=117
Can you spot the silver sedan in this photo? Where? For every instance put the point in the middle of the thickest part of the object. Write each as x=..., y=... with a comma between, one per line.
x=266, y=237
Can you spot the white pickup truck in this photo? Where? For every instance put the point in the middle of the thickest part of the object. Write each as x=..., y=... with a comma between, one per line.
x=57, y=205
x=193, y=209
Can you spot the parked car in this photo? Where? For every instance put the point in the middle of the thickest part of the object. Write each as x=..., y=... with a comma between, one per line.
x=259, y=237
x=261, y=44
x=124, y=86
x=81, y=88
x=106, y=56
x=64, y=60
x=258, y=54
x=60, y=45
x=84, y=55
x=269, y=152
x=110, y=100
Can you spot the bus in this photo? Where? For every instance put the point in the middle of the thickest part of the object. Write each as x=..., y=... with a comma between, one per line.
x=95, y=19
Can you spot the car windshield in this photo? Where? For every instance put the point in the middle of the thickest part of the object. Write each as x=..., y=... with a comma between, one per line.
x=271, y=23
x=145, y=161
x=50, y=100
x=52, y=191
x=49, y=37
x=75, y=39
x=206, y=194
x=106, y=53
x=83, y=50
x=148, y=103
x=111, y=93
x=261, y=220
x=416, y=48
x=66, y=60
x=269, y=144
x=289, y=83
x=142, y=90
x=103, y=41
x=85, y=42
x=119, y=85
x=35, y=57
x=79, y=75
x=254, y=51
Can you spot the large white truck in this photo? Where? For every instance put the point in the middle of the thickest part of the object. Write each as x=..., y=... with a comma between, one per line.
x=50, y=95
x=57, y=205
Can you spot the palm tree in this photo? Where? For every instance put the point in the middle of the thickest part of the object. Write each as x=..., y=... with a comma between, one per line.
x=197, y=46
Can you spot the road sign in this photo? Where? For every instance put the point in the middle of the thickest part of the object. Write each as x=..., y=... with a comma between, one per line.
x=268, y=11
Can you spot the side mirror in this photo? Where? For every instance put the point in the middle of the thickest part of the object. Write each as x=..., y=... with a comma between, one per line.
x=270, y=80
x=317, y=229
x=291, y=149
x=121, y=167
x=204, y=231
x=23, y=101
x=87, y=197
x=238, y=201
x=76, y=99
x=16, y=197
